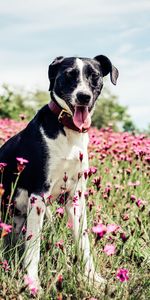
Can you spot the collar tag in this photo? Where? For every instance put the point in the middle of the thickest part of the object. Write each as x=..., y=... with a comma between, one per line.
x=63, y=111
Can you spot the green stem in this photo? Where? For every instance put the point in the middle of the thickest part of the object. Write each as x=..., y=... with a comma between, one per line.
x=11, y=195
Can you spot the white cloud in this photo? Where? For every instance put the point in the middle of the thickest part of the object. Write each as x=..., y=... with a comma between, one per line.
x=69, y=13
x=105, y=5
x=90, y=27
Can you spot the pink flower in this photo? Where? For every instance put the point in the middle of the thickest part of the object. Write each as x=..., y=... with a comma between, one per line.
x=109, y=249
x=31, y=285
x=112, y=228
x=60, y=244
x=21, y=160
x=92, y=170
x=99, y=229
x=2, y=166
x=24, y=229
x=125, y=217
x=5, y=265
x=122, y=275
x=140, y=202
x=134, y=184
x=5, y=227
x=60, y=211
x=133, y=198
x=21, y=163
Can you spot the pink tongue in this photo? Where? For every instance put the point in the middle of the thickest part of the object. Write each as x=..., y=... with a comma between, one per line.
x=82, y=118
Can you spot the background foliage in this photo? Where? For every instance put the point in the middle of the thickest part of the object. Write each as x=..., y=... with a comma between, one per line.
x=19, y=103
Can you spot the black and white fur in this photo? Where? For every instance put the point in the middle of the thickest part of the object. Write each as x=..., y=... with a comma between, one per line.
x=52, y=150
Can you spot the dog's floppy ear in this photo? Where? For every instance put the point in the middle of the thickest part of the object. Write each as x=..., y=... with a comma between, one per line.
x=107, y=67
x=53, y=69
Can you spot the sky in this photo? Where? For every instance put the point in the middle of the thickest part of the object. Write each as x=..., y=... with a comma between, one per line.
x=34, y=32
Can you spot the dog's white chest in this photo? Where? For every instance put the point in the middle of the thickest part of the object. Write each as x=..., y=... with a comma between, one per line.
x=65, y=160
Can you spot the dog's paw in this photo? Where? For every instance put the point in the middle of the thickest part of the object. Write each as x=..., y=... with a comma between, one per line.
x=96, y=279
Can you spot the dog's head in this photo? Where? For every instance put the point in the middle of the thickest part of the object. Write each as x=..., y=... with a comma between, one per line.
x=76, y=83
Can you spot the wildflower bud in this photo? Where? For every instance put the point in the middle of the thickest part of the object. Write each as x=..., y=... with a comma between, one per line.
x=1, y=190
x=48, y=200
x=91, y=192
x=59, y=296
x=60, y=211
x=59, y=283
x=92, y=170
x=85, y=174
x=2, y=166
x=24, y=229
x=133, y=198
x=125, y=217
x=139, y=202
x=61, y=198
x=90, y=205
x=60, y=244
x=86, y=195
x=81, y=156
x=128, y=171
x=22, y=116
x=5, y=265
x=79, y=193
x=123, y=237
x=79, y=175
x=29, y=237
x=20, y=168
x=65, y=178
x=107, y=191
x=97, y=181
x=21, y=163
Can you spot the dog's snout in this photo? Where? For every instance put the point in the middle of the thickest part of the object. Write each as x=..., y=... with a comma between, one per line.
x=83, y=98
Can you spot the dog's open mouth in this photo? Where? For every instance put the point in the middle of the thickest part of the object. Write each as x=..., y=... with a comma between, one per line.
x=81, y=117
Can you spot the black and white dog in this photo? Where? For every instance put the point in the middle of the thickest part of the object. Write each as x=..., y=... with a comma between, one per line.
x=55, y=144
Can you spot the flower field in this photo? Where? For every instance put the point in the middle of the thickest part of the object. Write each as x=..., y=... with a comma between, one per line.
x=118, y=208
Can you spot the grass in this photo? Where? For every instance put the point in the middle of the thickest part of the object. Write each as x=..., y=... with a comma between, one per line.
x=118, y=193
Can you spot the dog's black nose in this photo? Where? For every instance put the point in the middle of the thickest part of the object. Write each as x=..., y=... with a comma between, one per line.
x=83, y=98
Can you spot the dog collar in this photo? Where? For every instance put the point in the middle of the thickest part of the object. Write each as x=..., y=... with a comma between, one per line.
x=64, y=117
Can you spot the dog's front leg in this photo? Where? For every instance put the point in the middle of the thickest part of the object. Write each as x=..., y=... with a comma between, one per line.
x=35, y=218
x=76, y=211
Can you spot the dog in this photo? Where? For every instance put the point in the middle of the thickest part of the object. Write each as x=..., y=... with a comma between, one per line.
x=55, y=145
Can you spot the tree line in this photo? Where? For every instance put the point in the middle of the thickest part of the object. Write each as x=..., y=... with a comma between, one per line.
x=18, y=103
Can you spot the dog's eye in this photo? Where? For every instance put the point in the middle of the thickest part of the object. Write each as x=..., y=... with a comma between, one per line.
x=94, y=78
x=91, y=74
x=71, y=75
